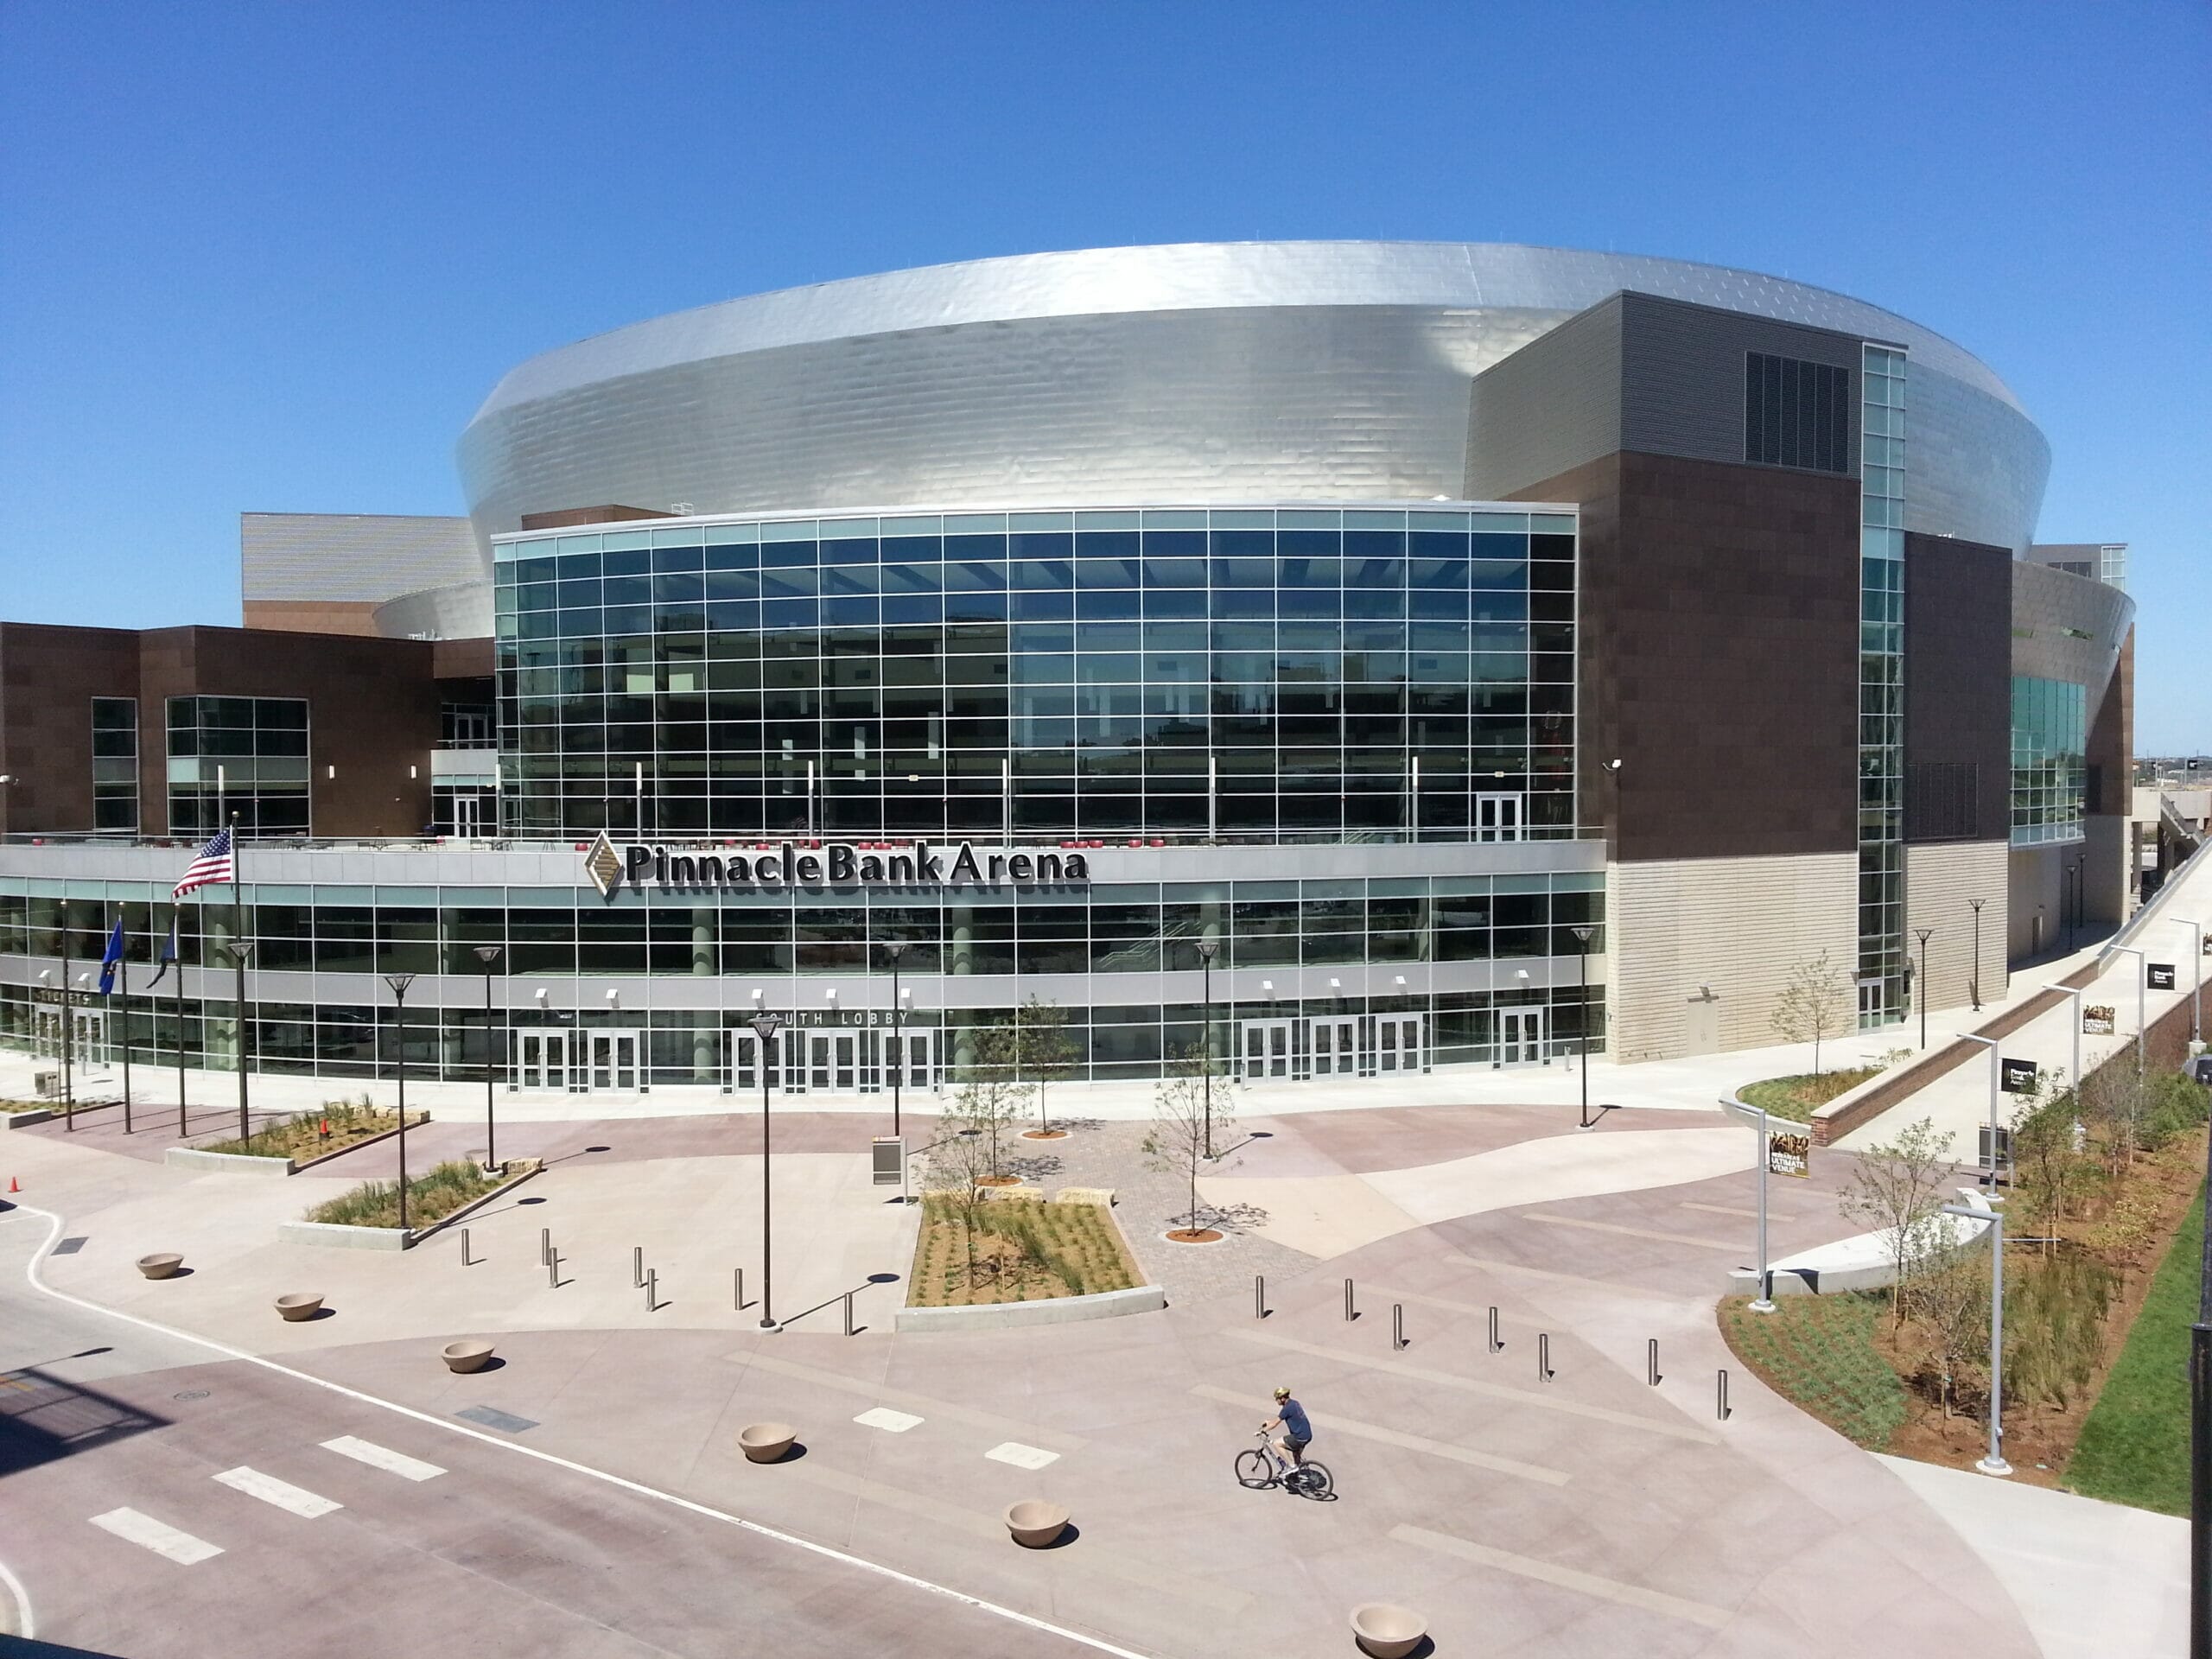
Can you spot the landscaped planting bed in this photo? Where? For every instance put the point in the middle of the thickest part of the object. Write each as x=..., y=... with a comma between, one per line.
x=1015, y=1250
x=430, y=1198
x=1795, y=1098
x=301, y=1138
x=1821, y=1352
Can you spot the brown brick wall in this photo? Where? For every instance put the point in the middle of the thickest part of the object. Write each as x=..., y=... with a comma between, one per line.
x=1958, y=685
x=48, y=676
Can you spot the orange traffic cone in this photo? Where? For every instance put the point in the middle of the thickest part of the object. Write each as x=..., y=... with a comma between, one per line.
x=13, y=1186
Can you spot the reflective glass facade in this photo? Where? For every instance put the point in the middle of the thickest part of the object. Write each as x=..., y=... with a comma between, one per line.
x=1291, y=674
x=242, y=756
x=2049, y=764
x=1881, y=688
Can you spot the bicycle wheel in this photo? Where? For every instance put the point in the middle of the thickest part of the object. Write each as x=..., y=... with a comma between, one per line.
x=1314, y=1479
x=1253, y=1469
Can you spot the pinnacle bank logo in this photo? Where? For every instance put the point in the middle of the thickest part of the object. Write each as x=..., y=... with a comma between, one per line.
x=789, y=867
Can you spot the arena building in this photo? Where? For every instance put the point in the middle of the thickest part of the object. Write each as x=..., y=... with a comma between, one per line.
x=1352, y=659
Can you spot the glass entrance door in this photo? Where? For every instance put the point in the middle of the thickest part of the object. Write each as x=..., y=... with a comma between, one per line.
x=907, y=1054
x=744, y=1059
x=614, y=1062
x=1333, y=1045
x=1397, y=1043
x=541, y=1059
x=1520, y=1036
x=1267, y=1048
x=468, y=815
x=1498, y=818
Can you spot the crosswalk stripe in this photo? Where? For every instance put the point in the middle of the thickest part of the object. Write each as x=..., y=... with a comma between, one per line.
x=163, y=1540
x=895, y=1422
x=282, y=1493
x=382, y=1457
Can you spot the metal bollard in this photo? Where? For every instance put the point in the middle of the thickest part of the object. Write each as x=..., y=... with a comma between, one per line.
x=1258, y=1295
x=652, y=1289
x=552, y=1269
x=740, y=1290
x=466, y=1260
x=1497, y=1342
x=637, y=1265
x=545, y=1246
x=1397, y=1326
x=1723, y=1399
x=1544, y=1355
x=1651, y=1363
x=848, y=1312
x=1351, y=1313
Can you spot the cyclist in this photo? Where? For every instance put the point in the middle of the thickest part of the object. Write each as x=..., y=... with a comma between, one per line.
x=1297, y=1432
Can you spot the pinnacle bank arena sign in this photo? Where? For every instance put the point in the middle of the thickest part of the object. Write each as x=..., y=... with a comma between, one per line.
x=790, y=868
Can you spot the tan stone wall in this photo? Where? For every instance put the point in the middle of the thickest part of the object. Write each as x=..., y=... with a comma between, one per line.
x=1940, y=878
x=1701, y=947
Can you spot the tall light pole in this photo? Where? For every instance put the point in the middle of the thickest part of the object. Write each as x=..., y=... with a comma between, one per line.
x=1763, y=1302
x=399, y=982
x=68, y=1024
x=2142, y=1006
x=1582, y=932
x=1921, y=994
x=2200, y=1460
x=1995, y=1464
x=238, y=950
x=1995, y=1083
x=1974, y=989
x=2196, y=984
x=893, y=951
x=1206, y=949
x=764, y=1026
x=2073, y=1078
x=488, y=954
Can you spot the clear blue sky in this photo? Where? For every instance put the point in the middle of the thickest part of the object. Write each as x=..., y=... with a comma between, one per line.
x=273, y=256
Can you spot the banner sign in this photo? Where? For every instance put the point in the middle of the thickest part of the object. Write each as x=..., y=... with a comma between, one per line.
x=1790, y=1154
x=789, y=867
x=2161, y=975
x=2004, y=1158
x=76, y=998
x=2097, y=1020
x=2019, y=1077
x=889, y=1153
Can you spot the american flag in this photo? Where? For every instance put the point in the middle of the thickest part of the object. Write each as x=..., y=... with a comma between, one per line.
x=212, y=865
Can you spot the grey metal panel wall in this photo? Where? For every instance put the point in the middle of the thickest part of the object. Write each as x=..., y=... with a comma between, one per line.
x=1553, y=405
x=462, y=611
x=1683, y=375
x=354, y=558
x=1975, y=466
x=2046, y=603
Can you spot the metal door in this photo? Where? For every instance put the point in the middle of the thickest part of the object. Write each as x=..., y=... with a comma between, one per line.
x=1267, y=1048
x=744, y=1059
x=1333, y=1045
x=468, y=815
x=1398, y=1043
x=1520, y=1036
x=541, y=1059
x=614, y=1061
x=819, y=1045
x=1498, y=818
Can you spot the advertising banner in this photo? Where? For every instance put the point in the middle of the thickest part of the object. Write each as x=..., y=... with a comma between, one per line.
x=1790, y=1154
x=2161, y=975
x=2097, y=1020
x=2019, y=1077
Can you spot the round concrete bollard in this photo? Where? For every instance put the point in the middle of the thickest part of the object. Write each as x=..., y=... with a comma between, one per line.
x=1387, y=1632
x=766, y=1442
x=160, y=1266
x=470, y=1356
x=299, y=1305
x=1036, y=1522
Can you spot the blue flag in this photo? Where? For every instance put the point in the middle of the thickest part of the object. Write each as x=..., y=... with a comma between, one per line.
x=169, y=954
x=112, y=960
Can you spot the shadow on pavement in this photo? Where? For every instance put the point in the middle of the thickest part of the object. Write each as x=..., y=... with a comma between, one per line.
x=44, y=1418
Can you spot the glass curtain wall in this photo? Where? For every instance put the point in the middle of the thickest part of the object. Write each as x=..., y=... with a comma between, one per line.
x=1882, y=967
x=2050, y=760
x=242, y=755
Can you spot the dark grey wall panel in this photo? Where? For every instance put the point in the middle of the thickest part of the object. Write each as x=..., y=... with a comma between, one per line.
x=1553, y=405
x=1683, y=375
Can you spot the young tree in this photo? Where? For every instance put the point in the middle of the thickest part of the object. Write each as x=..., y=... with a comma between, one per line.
x=1045, y=1049
x=991, y=1097
x=1897, y=1188
x=1177, y=1140
x=1949, y=1306
x=1812, y=1004
x=959, y=1159
x=2051, y=1169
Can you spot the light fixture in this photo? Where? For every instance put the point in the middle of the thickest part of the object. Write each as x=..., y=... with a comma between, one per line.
x=541, y=994
x=1336, y=984
x=756, y=993
x=614, y=997
x=1268, y=986
x=1520, y=973
x=1399, y=980
x=830, y=995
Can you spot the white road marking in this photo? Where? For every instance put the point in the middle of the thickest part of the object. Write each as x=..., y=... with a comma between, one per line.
x=163, y=1540
x=282, y=1493
x=620, y=1482
x=25, y=1626
x=1567, y=1578
x=1021, y=1456
x=381, y=1457
x=892, y=1422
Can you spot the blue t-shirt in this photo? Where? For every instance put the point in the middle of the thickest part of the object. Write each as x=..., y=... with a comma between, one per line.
x=1295, y=1426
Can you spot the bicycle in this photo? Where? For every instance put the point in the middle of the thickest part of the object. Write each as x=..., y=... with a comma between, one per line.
x=1261, y=1467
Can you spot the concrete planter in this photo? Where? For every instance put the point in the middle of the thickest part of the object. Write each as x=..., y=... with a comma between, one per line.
x=162, y=1265
x=766, y=1442
x=1057, y=1310
x=24, y=1119
x=239, y=1163
x=461, y=1357
x=297, y=1305
x=1036, y=1522
x=1387, y=1632
x=342, y=1236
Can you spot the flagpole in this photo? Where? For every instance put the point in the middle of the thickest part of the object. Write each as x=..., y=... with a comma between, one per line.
x=238, y=955
x=123, y=985
x=68, y=1094
x=176, y=933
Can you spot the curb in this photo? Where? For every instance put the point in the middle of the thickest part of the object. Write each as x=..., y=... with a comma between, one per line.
x=1056, y=1309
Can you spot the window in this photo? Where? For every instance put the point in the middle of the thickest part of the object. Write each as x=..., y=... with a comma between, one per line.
x=1797, y=414
x=242, y=756
x=115, y=765
x=2050, y=773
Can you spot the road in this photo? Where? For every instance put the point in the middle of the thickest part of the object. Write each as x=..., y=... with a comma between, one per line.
x=157, y=1498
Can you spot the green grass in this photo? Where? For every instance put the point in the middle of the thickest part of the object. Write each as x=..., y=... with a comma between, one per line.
x=351, y=1122
x=2134, y=1447
x=1818, y=1351
x=1795, y=1098
x=430, y=1198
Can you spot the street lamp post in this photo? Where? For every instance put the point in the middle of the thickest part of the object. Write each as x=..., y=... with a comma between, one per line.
x=1995, y=1464
x=2142, y=1001
x=1920, y=991
x=2200, y=1460
x=2073, y=1078
x=1206, y=949
x=1763, y=1302
x=2196, y=984
x=399, y=982
x=2073, y=909
x=238, y=950
x=1996, y=1081
x=1974, y=990
x=893, y=951
x=488, y=954
x=1582, y=932
x=764, y=1026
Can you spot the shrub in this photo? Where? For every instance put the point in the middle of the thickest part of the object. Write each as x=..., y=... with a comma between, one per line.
x=430, y=1198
